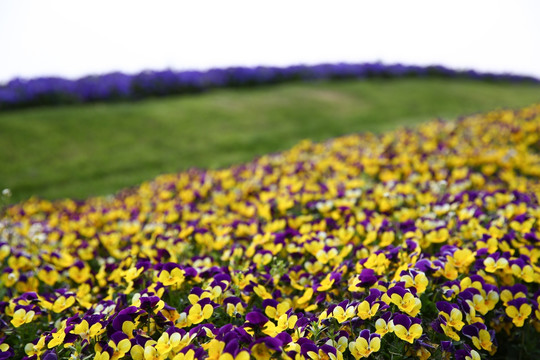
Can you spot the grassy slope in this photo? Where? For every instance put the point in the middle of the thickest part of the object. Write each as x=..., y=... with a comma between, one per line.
x=77, y=151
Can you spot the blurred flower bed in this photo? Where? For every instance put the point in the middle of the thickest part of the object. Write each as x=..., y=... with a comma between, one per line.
x=412, y=244
x=118, y=86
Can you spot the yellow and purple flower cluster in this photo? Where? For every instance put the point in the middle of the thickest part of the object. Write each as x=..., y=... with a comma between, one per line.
x=416, y=243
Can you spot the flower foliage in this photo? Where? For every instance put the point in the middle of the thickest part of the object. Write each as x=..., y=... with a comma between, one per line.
x=119, y=86
x=416, y=243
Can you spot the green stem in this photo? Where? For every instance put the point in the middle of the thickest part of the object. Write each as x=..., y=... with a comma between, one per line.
x=522, y=343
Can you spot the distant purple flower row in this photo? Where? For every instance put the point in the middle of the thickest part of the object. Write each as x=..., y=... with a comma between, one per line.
x=119, y=86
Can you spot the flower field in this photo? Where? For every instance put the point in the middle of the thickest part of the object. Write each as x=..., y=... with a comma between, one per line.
x=418, y=243
x=116, y=86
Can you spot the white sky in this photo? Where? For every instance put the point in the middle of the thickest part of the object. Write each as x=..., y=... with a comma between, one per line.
x=73, y=38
